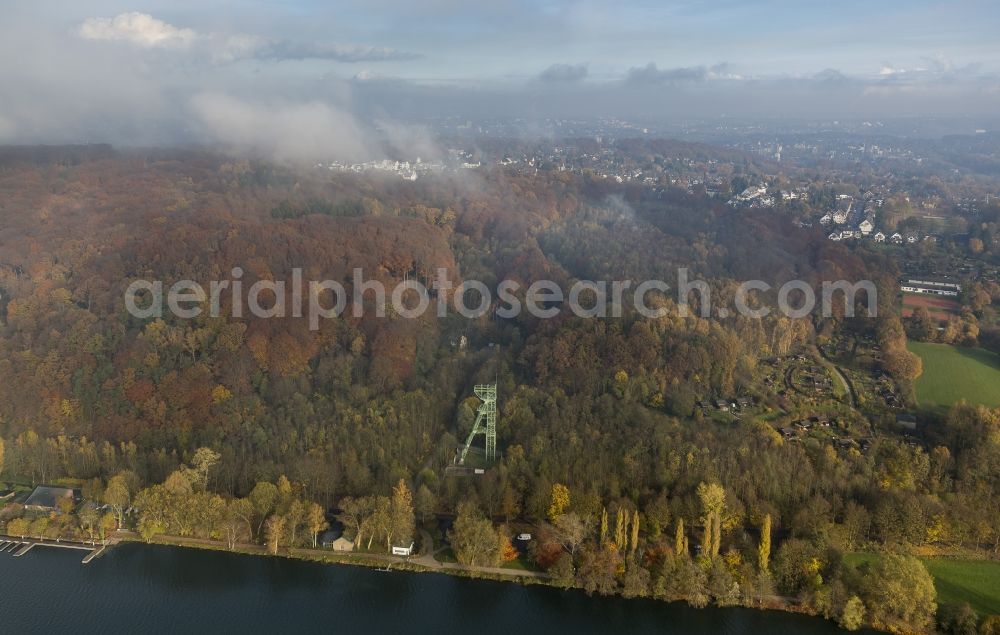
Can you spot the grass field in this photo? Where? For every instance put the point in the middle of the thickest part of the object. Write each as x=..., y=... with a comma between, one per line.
x=952, y=373
x=974, y=581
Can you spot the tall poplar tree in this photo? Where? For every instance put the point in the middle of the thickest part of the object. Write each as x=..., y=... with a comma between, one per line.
x=764, y=549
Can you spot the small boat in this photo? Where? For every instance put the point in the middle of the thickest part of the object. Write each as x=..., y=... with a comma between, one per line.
x=388, y=567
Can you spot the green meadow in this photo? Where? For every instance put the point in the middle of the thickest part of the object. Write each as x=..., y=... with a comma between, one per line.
x=953, y=373
x=974, y=581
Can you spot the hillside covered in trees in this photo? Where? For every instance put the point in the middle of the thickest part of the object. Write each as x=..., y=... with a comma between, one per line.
x=605, y=446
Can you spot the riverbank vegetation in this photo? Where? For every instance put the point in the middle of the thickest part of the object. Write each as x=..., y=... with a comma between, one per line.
x=713, y=460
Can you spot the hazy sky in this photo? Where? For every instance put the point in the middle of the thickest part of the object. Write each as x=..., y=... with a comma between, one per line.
x=280, y=75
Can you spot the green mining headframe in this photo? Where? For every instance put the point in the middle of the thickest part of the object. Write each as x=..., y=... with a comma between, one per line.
x=486, y=422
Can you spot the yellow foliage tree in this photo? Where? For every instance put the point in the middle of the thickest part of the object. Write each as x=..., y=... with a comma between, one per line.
x=635, y=531
x=559, y=502
x=764, y=549
x=713, y=502
x=221, y=394
x=604, y=525
x=507, y=550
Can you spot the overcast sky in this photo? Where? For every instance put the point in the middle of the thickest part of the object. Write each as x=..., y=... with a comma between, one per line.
x=297, y=74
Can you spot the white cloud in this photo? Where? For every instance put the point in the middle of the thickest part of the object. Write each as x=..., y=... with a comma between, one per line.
x=275, y=49
x=279, y=129
x=931, y=69
x=650, y=75
x=137, y=28
x=723, y=70
x=407, y=140
x=143, y=30
x=564, y=73
x=236, y=47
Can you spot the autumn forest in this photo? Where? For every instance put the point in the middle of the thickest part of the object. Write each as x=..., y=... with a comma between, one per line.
x=611, y=451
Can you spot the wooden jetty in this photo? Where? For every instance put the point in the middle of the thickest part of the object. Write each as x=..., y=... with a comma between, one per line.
x=17, y=547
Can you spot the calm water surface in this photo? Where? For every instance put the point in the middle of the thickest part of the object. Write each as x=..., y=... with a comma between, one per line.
x=151, y=589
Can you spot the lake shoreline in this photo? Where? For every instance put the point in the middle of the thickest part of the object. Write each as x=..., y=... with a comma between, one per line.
x=419, y=564
x=164, y=588
x=377, y=561
x=366, y=560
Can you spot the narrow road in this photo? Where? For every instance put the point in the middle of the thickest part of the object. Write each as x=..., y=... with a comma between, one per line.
x=425, y=560
x=848, y=386
x=520, y=573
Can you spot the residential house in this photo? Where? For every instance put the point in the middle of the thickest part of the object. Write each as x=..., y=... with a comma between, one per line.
x=342, y=544
x=403, y=550
x=46, y=498
x=906, y=421
x=931, y=287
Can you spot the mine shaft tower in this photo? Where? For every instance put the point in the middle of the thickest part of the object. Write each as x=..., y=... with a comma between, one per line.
x=486, y=422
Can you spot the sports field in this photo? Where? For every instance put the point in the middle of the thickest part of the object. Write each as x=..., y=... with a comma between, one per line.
x=939, y=307
x=953, y=373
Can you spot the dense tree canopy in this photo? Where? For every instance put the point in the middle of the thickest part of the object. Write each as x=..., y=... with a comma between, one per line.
x=247, y=430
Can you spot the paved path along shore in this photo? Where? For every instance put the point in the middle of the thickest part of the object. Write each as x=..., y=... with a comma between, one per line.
x=426, y=560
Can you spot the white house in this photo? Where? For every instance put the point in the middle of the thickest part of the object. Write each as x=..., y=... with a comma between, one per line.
x=878, y=237
x=896, y=238
x=826, y=219
x=834, y=236
x=866, y=226
x=403, y=551
x=933, y=287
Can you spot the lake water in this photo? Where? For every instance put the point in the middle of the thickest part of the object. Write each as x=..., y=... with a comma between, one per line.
x=151, y=589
